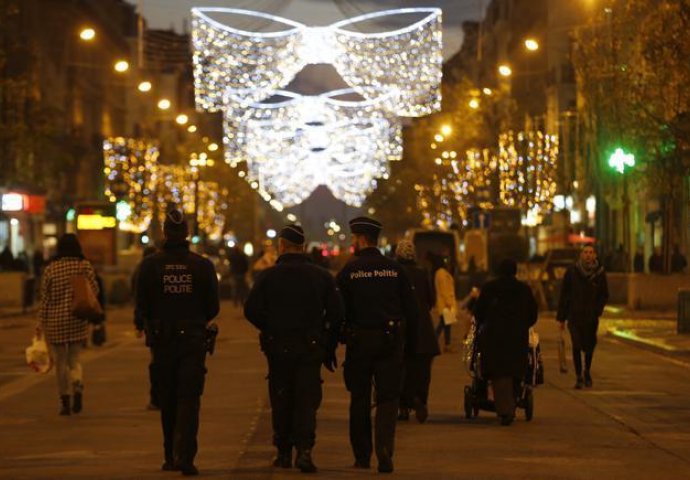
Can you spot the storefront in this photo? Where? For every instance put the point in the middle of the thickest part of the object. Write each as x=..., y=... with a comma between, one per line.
x=21, y=222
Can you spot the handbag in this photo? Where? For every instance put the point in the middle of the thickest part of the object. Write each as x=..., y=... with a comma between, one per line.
x=449, y=317
x=38, y=356
x=84, y=301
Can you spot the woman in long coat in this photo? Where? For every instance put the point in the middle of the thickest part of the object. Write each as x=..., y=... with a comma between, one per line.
x=504, y=312
x=444, y=287
x=65, y=333
x=415, y=392
x=584, y=294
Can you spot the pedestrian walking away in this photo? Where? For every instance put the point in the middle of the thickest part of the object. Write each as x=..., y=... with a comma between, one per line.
x=296, y=307
x=584, y=294
x=139, y=327
x=381, y=316
x=446, y=302
x=504, y=312
x=177, y=297
x=66, y=333
x=417, y=374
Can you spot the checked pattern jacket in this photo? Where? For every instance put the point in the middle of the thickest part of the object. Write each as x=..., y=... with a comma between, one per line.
x=57, y=321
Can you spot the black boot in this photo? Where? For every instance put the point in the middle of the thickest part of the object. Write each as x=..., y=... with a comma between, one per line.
x=64, y=401
x=77, y=405
x=283, y=458
x=580, y=383
x=304, y=462
x=588, y=379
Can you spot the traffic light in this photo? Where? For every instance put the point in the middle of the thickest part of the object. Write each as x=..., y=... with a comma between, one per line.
x=619, y=159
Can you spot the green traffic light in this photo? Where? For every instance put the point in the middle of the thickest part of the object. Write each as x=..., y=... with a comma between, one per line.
x=619, y=160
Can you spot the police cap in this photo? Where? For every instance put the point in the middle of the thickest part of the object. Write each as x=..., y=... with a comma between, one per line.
x=293, y=234
x=366, y=226
x=175, y=225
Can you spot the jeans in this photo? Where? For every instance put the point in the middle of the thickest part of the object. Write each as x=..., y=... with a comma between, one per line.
x=67, y=367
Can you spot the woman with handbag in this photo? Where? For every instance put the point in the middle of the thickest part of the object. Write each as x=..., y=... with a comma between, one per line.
x=68, y=283
x=446, y=305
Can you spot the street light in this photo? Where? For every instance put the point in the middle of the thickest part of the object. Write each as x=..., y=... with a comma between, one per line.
x=446, y=129
x=121, y=66
x=474, y=104
x=504, y=70
x=182, y=119
x=145, y=86
x=87, y=34
x=213, y=147
x=164, y=104
x=191, y=128
x=531, y=44
x=487, y=91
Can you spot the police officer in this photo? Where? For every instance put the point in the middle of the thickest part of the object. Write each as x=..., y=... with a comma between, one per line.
x=381, y=316
x=177, y=296
x=296, y=307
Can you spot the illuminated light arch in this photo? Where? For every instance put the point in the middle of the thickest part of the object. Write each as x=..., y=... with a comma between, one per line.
x=406, y=60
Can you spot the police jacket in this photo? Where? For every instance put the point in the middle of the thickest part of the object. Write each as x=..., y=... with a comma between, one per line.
x=295, y=297
x=376, y=290
x=176, y=290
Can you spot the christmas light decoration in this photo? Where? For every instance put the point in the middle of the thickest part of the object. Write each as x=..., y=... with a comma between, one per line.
x=347, y=157
x=130, y=168
x=527, y=164
x=301, y=116
x=405, y=61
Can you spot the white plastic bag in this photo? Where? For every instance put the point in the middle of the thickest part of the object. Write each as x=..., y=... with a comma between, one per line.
x=449, y=317
x=38, y=356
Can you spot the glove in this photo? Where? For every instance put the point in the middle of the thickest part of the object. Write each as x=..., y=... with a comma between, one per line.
x=331, y=361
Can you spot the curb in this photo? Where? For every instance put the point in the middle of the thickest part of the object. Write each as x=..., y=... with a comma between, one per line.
x=655, y=346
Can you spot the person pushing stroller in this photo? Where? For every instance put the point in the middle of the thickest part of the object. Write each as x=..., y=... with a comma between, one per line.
x=504, y=313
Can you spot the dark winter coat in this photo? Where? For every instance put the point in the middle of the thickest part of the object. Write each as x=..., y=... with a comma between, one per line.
x=504, y=312
x=426, y=339
x=581, y=304
x=296, y=298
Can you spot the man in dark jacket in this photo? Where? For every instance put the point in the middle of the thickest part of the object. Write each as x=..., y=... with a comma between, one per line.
x=381, y=316
x=296, y=306
x=177, y=296
x=415, y=391
x=584, y=294
x=504, y=312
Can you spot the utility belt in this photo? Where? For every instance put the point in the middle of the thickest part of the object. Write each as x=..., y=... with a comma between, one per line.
x=161, y=332
x=297, y=343
x=388, y=337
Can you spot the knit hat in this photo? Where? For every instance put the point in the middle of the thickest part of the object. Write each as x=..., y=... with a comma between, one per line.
x=293, y=234
x=405, y=250
x=175, y=225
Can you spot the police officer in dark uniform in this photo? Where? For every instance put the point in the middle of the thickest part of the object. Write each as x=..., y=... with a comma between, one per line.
x=296, y=306
x=177, y=296
x=381, y=316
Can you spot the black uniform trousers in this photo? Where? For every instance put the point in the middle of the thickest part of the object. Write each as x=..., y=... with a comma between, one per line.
x=382, y=362
x=417, y=380
x=294, y=385
x=179, y=364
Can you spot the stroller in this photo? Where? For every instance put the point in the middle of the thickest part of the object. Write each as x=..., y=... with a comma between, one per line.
x=477, y=394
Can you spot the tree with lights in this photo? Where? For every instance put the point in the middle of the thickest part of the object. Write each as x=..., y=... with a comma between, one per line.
x=633, y=71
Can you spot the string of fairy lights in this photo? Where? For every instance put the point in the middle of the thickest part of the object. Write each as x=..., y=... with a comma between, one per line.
x=144, y=188
x=520, y=172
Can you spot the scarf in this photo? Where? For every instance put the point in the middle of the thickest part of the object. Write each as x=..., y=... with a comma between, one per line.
x=589, y=270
